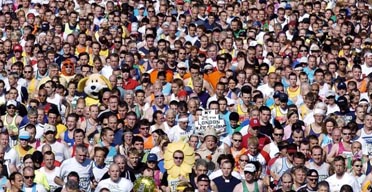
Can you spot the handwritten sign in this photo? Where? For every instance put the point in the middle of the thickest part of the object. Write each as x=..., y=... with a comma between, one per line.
x=209, y=118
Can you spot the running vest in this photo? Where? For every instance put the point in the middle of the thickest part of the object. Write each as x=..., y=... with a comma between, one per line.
x=245, y=187
x=70, y=142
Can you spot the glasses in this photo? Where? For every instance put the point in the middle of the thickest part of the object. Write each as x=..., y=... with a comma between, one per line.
x=68, y=66
x=105, y=99
x=42, y=95
x=358, y=165
x=151, y=11
x=29, y=177
x=303, y=50
x=117, y=41
x=159, y=96
x=145, y=128
x=11, y=107
x=346, y=133
x=27, y=71
x=237, y=140
x=313, y=179
x=23, y=139
x=178, y=158
x=279, y=134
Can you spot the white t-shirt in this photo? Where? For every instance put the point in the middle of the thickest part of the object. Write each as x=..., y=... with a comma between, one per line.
x=60, y=151
x=335, y=184
x=123, y=185
x=50, y=177
x=99, y=172
x=84, y=170
x=177, y=134
x=266, y=90
x=218, y=173
x=35, y=187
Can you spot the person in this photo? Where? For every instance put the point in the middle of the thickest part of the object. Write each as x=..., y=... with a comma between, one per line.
x=203, y=183
x=226, y=181
x=50, y=170
x=81, y=164
x=115, y=182
x=16, y=181
x=318, y=163
x=312, y=181
x=61, y=151
x=340, y=177
x=249, y=183
x=287, y=183
x=29, y=185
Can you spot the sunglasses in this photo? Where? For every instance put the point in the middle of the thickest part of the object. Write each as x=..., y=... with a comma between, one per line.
x=11, y=107
x=346, y=133
x=237, y=140
x=178, y=158
x=278, y=134
x=313, y=179
x=29, y=177
x=358, y=165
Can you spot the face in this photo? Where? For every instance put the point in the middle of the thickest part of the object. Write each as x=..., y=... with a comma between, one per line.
x=339, y=167
x=18, y=181
x=287, y=183
x=133, y=160
x=210, y=142
x=178, y=158
x=203, y=186
x=299, y=177
x=201, y=170
x=29, y=177
x=81, y=156
x=237, y=140
x=114, y=173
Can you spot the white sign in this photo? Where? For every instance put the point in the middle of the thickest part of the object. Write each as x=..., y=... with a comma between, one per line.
x=209, y=118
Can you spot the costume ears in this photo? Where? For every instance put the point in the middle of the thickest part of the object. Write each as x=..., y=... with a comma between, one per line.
x=108, y=83
x=81, y=84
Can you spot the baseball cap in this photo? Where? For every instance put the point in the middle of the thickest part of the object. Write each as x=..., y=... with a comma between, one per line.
x=23, y=134
x=250, y=167
x=276, y=94
x=341, y=85
x=11, y=102
x=330, y=93
x=203, y=177
x=181, y=65
x=254, y=122
x=208, y=67
x=182, y=93
x=364, y=101
x=152, y=158
x=292, y=148
x=17, y=47
x=49, y=128
x=283, y=97
x=312, y=173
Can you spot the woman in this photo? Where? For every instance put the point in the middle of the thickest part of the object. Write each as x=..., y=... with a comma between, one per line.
x=254, y=81
x=152, y=162
x=326, y=137
x=159, y=137
x=292, y=117
x=316, y=127
x=71, y=95
x=343, y=148
x=232, y=89
x=357, y=171
x=127, y=143
x=243, y=160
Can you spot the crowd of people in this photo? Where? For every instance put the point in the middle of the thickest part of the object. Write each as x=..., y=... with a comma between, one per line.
x=192, y=95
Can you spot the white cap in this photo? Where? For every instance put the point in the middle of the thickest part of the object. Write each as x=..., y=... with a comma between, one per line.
x=181, y=65
x=250, y=167
x=303, y=60
x=319, y=112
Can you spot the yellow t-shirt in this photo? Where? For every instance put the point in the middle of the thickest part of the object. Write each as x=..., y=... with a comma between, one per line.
x=41, y=178
x=293, y=93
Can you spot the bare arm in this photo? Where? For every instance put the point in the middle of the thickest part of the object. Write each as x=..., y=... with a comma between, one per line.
x=332, y=154
x=59, y=181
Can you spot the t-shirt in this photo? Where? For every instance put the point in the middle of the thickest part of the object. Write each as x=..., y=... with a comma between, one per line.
x=35, y=187
x=223, y=184
x=335, y=184
x=123, y=185
x=50, y=177
x=85, y=171
x=60, y=151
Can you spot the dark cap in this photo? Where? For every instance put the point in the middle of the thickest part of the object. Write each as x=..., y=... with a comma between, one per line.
x=292, y=148
x=342, y=101
x=312, y=173
x=306, y=20
x=276, y=94
x=152, y=158
x=283, y=97
x=203, y=177
x=341, y=85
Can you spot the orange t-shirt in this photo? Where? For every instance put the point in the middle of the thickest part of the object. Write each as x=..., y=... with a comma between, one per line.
x=214, y=77
x=154, y=76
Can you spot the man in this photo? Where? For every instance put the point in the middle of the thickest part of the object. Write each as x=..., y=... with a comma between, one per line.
x=134, y=164
x=226, y=181
x=253, y=131
x=312, y=181
x=115, y=182
x=121, y=161
x=182, y=130
x=29, y=185
x=268, y=88
x=16, y=181
x=159, y=104
x=265, y=117
x=100, y=167
x=50, y=170
x=236, y=149
x=59, y=149
x=17, y=153
x=341, y=177
x=272, y=148
x=203, y=183
x=249, y=183
x=214, y=77
x=82, y=165
x=318, y=163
